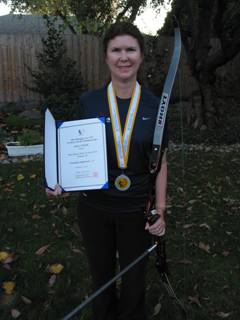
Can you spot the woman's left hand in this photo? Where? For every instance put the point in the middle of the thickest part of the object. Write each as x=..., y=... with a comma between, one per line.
x=158, y=228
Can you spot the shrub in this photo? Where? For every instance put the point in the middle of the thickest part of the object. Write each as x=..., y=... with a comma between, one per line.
x=18, y=122
x=30, y=137
x=57, y=80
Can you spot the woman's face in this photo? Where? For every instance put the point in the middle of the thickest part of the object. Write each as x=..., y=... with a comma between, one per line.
x=123, y=58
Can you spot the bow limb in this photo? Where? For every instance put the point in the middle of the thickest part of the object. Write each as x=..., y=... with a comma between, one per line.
x=164, y=102
x=167, y=284
x=161, y=265
x=155, y=165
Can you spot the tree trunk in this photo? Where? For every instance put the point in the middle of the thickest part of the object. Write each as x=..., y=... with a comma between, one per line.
x=195, y=112
x=209, y=108
x=200, y=21
x=203, y=111
x=207, y=81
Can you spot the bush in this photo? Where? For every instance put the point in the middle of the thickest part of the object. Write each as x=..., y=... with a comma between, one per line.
x=56, y=80
x=30, y=137
x=18, y=122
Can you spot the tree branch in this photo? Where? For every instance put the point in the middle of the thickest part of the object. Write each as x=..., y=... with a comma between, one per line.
x=65, y=20
x=122, y=13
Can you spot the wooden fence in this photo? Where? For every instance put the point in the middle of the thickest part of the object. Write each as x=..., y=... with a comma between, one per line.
x=18, y=53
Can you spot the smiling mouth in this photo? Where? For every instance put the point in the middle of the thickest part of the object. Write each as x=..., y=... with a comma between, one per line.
x=124, y=67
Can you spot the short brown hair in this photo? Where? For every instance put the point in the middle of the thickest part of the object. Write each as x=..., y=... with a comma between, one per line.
x=120, y=29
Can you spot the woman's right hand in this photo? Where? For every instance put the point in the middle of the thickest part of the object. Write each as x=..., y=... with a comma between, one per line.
x=54, y=193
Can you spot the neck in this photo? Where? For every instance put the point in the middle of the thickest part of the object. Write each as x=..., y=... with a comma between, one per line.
x=123, y=90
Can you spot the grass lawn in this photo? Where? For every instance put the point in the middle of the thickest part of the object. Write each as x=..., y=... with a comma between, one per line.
x=202, y=243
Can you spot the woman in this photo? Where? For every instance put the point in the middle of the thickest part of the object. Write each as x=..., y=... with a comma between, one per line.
x=112, y=221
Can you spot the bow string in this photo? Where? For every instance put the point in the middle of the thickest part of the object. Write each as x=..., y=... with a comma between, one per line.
x=155, y=165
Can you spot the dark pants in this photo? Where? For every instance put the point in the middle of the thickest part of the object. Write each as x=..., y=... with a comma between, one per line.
x=104, y=234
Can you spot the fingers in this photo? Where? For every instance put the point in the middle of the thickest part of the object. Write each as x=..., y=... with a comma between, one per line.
x=54, y=193
x=158, y=228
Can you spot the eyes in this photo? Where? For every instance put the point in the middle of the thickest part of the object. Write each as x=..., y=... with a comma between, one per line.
x=128, y=49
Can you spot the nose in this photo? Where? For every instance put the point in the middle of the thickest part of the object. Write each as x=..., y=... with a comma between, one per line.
x=123, y=56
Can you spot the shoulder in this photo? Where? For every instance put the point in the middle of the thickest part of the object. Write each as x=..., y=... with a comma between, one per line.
x=93, y=96
x=89, y=102
x=148, y=99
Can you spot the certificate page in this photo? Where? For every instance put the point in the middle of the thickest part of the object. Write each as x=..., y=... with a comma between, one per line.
x=82, y=156
x=50, y=150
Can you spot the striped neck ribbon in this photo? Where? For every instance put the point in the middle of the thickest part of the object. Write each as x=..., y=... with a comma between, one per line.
x=122, y=141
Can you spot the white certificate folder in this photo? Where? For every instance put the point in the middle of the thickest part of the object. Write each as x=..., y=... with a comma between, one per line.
x=75, y=154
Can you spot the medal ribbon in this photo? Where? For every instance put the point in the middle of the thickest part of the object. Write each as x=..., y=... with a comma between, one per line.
x=122, y=141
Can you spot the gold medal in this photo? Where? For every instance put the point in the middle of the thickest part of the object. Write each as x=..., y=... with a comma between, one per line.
x=122, y=140
x=122, y=182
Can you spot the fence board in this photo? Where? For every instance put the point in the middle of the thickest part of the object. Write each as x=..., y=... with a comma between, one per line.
x=18, y=52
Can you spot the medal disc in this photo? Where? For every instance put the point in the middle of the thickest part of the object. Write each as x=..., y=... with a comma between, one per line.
x=122, y=182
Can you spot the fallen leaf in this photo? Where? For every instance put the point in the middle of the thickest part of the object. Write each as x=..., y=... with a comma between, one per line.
x=8, y=287
x=76, y=250
x=8, y=190
x=195, y=300
x=52, y=280
x=76, y=230
x=26, y=300
x=204, y=247
x=53, y=211
x=36, y=217
x=41, y=250
x=157, y=309
x=20, y=177
x=56, y=268
x=195, y=287
x=225, y=253
x=3, y=157
x=15, y=313
x=205, y=225
x=223, y=315
x=7, y=266
x=187, y=226
x=8, y=260
x=23, y=195
x=180, y=189
x=228, y=179
x=64, y=210
x=225, y=287
x=192, y=201
x=3, y=256
x=33, y=176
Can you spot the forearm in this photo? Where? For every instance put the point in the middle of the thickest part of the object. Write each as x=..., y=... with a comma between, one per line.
x=161, y=187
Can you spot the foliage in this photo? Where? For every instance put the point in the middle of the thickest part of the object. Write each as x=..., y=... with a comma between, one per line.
x=56, y=78
x=3, y=134
x=201, y=22
x=30, y=137
x=14, y=121
x=86, y=16
x=40, y=234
